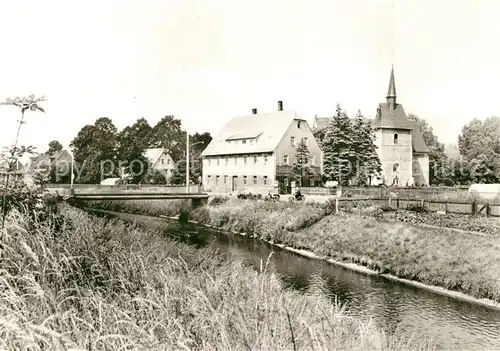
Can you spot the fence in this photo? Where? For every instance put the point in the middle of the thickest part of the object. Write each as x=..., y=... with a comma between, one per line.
x=455, y=207
x=128, y=188
x=427, y=193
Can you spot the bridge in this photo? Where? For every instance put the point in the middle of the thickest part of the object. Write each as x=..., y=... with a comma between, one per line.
x=197, y=198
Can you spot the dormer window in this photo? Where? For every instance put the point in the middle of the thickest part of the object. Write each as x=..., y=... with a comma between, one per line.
x=243, y=141
x=292, y=141
x=255, y=160
x=298, y=124
x=245, y=159
x=395, y=138
x=395, y=167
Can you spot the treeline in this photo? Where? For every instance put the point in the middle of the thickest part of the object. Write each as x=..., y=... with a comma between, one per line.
x=349, y=150
x=100, y=148
x=350, y=155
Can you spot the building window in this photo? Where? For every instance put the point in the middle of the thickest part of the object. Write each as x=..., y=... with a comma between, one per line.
x=285, y=159
x=265, y=180
x=235, y=159
x=216, y=180
x=285, y=181
x=255, y=160
x=162, y=161
x=298, y=124
x=168, y=161
x=227, y=160
x=292, y=141
x=243, y=141
x=244, y=179
x=209, y=178
x=244, y=160
x=208, y=160
x=265, y=159
x=218, y=161
x=254, y=180
x=313, y=159
x=395, y=138
x=395, y=167
x=306, y=141
x=225, y=179
x=395, y=181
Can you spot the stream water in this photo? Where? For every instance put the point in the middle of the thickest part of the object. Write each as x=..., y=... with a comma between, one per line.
x=452, y=324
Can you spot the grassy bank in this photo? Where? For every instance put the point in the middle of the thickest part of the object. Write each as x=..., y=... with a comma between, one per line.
x=97, y=284
x=456, y=261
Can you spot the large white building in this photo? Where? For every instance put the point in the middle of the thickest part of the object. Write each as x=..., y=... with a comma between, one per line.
x=255, y=152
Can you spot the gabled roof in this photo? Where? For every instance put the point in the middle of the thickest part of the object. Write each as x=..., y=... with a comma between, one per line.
x=268, y=127
x=418, y=139
x=392, y=118
x=46, y=159
x=321, y=122
x=154, y=154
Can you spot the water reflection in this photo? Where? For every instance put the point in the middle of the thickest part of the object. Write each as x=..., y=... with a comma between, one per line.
x=452, y=324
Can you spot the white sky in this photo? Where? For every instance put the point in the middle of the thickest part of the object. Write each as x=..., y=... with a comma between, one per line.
x=206, y=61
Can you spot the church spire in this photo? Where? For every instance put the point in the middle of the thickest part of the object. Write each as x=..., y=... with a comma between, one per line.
x=391, y=93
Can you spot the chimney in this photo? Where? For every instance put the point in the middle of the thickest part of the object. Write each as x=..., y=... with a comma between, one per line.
x=280, y=105
x=254, y=111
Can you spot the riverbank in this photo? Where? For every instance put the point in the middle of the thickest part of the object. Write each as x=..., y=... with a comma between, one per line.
x=95, y=283
x=455, y=261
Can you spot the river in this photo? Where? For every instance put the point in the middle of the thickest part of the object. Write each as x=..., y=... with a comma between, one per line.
x=452, y=324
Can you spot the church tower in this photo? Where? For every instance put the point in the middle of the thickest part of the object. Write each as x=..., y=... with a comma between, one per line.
x=393, y=132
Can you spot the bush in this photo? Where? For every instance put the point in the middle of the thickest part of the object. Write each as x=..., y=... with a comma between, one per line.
x=249, y=196
x=104, y=285
x=387, y=208
x=416, y=208
x=216, y=200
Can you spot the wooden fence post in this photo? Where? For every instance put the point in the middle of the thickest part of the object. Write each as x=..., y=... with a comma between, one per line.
x=474, y=207
x=446, y=207
x=488, y=210
x=337, y=205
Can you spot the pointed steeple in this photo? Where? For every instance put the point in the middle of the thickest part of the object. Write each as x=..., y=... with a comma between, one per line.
x=391, y=93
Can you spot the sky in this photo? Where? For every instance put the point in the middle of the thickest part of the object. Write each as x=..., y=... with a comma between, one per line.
x=206, y=61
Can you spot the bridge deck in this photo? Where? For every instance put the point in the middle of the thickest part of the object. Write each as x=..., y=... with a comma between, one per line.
x=138, y=196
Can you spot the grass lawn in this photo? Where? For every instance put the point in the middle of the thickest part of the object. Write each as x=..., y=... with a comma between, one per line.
x=456, y=261
x=97, y=284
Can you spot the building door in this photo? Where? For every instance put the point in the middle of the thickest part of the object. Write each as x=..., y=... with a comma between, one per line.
x=234, y=184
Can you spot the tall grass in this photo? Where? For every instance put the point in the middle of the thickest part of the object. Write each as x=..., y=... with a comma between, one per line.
x=456, y=261
x=97, y=284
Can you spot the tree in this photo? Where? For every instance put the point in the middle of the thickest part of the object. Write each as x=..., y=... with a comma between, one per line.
x=29, y=103
x=94, y=149
x=300, y=167
x=339, y=155
x=198, y=142
x=54, y=146
x=479, y=144
x=155, y=176
x=131, y=144
x=179, y=174
x=319, y=135
x=367, y=164
x=437, y=154
x=167, y=133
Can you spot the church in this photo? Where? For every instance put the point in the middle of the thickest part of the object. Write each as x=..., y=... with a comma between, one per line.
x=400, y=144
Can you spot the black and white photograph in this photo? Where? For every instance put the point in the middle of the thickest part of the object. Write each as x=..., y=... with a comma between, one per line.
x=250, y=175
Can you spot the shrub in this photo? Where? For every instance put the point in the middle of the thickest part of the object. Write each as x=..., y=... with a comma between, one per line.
x=216, y=200
x=416, y=208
